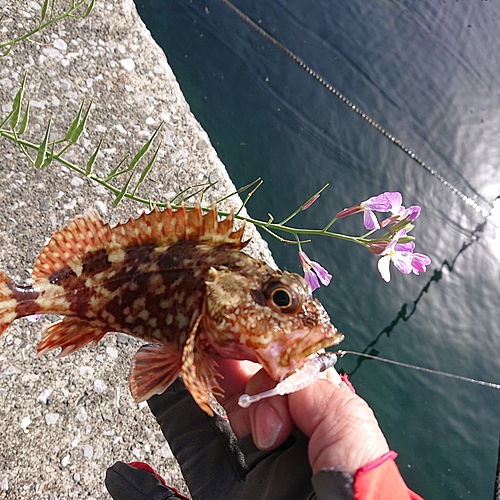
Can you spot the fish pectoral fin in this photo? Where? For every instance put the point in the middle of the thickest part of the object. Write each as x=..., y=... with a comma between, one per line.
x=199, y=372
x=70, y=334
x=154, y=369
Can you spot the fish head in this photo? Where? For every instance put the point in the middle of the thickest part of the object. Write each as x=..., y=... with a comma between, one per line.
x=269, y=317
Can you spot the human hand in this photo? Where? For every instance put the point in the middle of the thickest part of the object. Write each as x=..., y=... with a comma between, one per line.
x=342, y=429
x=222, y=461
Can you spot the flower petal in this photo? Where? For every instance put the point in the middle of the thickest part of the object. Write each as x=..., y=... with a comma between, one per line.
x=402, y=262
x=395, y=199
x=324, y=276
x=419, y=262
x=311, y=279
x=370, y=221
x=383, y=268
x=405, y=247
x=411, y=213
x=305, y=261
x=380, y=203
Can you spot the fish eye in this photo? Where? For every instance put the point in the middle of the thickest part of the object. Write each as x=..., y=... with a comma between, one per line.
x=282, y=298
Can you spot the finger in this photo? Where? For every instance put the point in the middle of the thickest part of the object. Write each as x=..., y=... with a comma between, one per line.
x=342, y=428
x=236, y=374
x=270, y=420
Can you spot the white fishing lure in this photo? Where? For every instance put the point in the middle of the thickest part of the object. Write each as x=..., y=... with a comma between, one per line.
x=298, y=380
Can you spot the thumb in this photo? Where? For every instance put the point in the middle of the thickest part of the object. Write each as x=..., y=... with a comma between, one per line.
x=343, y=431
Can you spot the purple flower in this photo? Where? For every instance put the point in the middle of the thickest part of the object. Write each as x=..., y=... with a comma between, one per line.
x=385, y=202
x=380, y=203
x=403, y=258
x=313, y=271
x=400, y=213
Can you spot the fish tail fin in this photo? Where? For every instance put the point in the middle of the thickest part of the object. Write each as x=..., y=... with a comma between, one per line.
x=8, y=302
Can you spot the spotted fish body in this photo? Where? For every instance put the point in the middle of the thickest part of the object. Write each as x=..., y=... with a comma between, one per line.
x=179, y=281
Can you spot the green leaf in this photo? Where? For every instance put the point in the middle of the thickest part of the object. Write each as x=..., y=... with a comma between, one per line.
x=123, y=192
x=133, y=164
x=89, y=9
x=48, y=158
x=7, y=51
x=42, y=149
x=113, y=173
x=16, y=104
x=78, y=125
x=45, y=7
x=25, y=120
x=144, y=149
x=74, y=124
x=146, y=170
x=93, y=158
x=81, y=126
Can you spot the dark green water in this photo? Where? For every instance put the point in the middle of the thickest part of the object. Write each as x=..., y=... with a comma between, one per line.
x=428, y=72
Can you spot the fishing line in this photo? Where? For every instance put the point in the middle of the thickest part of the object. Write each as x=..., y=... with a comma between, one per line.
x=485, y=212
x=421, y=368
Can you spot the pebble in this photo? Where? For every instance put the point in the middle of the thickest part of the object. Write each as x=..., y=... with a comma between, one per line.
x=99, y=386
x=10, y=371
x=213, y=177
x=51, y=418
x=112, y=352
x=25, y=422
x=65, y=461
x=60, y=44
x=166, y=452
x=121, y=338
x=85, y=370
x=98, y=453
x=51, y=52
x=88, y=451
x=6, y=82
x=44, y=396
x=82, y=414
x=102, y=207
x=121, y=129
x=128, y=64
x=4, y=485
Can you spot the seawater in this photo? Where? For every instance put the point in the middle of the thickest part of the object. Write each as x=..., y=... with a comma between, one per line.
x=428, y=73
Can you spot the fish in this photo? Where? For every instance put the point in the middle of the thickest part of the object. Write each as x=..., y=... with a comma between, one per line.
x=179, y=281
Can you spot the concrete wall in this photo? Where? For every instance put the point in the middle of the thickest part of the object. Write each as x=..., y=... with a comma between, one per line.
x=63, y=421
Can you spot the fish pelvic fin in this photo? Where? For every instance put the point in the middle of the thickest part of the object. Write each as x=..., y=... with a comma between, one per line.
x=154, y=369
x=70, y=334
x=199, y=372
x=8, y=303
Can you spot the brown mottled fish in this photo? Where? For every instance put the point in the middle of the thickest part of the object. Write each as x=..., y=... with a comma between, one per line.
x=178, y=280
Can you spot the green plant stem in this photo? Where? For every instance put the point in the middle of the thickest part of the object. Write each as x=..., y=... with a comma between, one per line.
x=40, y=27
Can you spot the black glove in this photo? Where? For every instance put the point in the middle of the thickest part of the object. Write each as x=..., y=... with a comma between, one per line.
x=125, y=481
x=218, y=466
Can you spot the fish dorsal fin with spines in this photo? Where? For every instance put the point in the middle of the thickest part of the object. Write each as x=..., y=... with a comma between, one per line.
x=87, y=233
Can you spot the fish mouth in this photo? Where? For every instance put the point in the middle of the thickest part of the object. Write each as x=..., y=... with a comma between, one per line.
x=284, y=356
